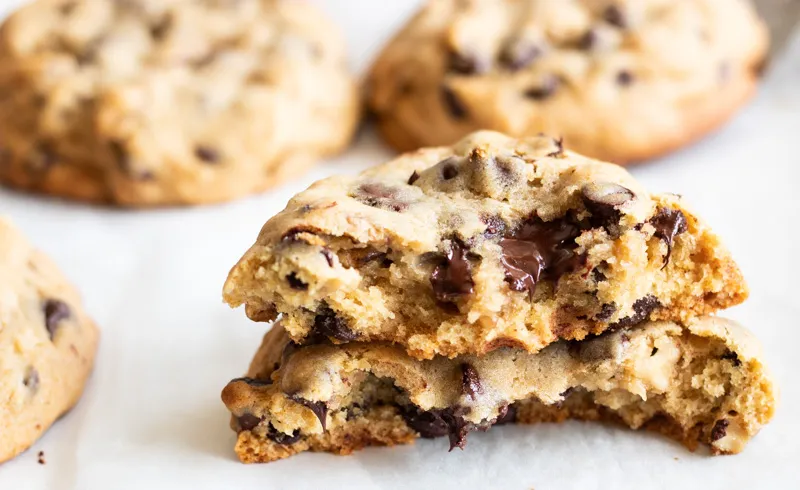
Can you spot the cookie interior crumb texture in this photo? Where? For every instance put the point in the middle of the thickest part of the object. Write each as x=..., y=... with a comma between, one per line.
x=145, y=102
x=492, y=242
x=702, y=383
x=47, y=343
x=619, y=80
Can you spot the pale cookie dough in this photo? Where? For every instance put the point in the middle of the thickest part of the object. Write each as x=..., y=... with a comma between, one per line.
x=489, y=243
x=169, y=102
x=703, y=383
x=47, y=343
x=620, y=80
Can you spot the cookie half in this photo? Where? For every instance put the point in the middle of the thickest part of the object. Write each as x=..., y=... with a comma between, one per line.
x=702, y=383
x=47, y=343
x=168, y=102
x=620, y=80
x=492, y=242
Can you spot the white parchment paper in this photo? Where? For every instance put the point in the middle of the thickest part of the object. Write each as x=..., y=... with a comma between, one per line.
x=151, y=417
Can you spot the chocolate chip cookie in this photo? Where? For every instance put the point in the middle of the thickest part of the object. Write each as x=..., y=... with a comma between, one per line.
x=492, y=242
x=167, y=102
x=620, y=80
x=700, y=383
x=47, y=343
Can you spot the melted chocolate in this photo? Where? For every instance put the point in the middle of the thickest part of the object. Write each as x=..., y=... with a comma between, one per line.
x=669, y=223
x=452, y=277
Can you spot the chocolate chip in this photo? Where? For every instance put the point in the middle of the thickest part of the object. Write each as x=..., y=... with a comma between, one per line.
x=381, y=196
x=520, y=53
x=320, y=409
x=452, y=103
x=589, y=40
x=506, y=415
x=669, y=223
x=54, y=312
x=253, y=381
x=452, y=277
x=641, y=311
x=296, y=283
x=615, y=16
x=603, y=200
x=437, y=423
x=495, y=226
x=470, y=381
x=328, y=324
x=328, y=254
x=293, y=235
x=559, y=142
x=654, y=351
x=207, y=154
x=281, y=437
x=598, y=276
x=449, y=171
x=731, y=356
x=414, y=177
x=161, y=28
x=545, y=90
x=66, y=9
x=467, y=63
x=606, y=312
x=539, y=250
x=31, y=379
x=624, y=78
x=249, y=421
x=720, y=430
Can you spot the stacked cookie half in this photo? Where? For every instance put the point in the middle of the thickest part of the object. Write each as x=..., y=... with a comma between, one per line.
x=494, y=281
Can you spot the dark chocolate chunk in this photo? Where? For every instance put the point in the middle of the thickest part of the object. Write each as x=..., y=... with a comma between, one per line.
x=437, y=423
x=296, y=283
x=539, y=250
x=249, y=421
x=606, y=312
x=381, y=196
x=54, y=312
x=320, y=409
x=470, y=381
x=253, y=381
x=641, y=312
x=207, y=154
x=507, y=415
x=293, y=235
x=328, y=254
x=719, y=430
x=589, y=40
x=624, y=78
x=452, y=103
x=654, y=351
x=598, y=275
x=615, y=16
x=281, y=437
x=31, y=379
x=449, y=170
x=669, y=223
x=452, y=277
x=544, y=90
x=603, y=200
x=467, y=63
x=414, y=177
x=328, y=324
x=520, y=53
x=731, y=356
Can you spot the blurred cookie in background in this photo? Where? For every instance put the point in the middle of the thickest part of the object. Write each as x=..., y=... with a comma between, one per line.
x=47, y=343
x=620, y=80
x=167, y=102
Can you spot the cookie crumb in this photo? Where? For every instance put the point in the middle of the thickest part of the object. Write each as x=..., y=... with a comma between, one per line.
x=40, y=458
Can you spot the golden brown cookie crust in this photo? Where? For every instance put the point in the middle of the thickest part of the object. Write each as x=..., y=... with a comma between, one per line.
x=620, y=81
x=47, y=343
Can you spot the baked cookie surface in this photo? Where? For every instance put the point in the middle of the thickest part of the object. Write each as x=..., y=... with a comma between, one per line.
x=47, y=343
x=620, y=80
x=166, y=102
x=702, y=383
x=492, y=242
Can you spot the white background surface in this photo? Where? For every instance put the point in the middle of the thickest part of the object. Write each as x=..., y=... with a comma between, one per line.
x=151, y=416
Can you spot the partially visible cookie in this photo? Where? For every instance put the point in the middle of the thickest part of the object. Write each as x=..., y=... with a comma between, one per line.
x=47, y=343
x=165, y=102
x=492, y=242
x=620, y=80
x=701, y=383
